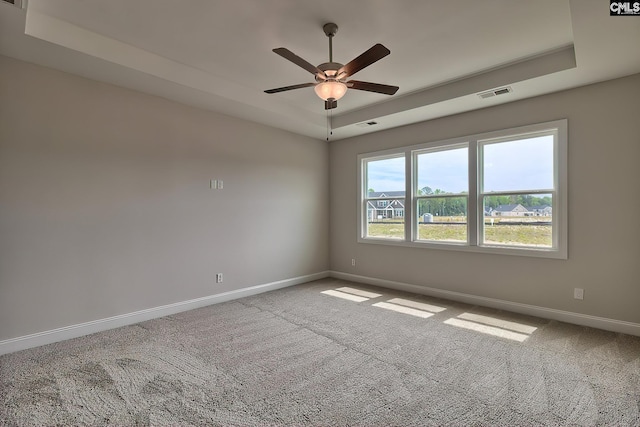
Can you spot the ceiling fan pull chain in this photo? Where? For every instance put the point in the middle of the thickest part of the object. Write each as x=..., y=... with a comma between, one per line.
x=331, y=122
x=327, y=111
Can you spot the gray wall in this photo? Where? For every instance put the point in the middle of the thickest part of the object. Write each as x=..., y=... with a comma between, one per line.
x=105, y=206
x=604, y=208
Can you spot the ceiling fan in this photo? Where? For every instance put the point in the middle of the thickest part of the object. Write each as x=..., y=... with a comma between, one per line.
x=331, y=77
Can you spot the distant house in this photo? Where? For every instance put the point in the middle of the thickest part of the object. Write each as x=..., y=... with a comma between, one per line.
x=511, y=210
x=383, y=209
x=544, y=210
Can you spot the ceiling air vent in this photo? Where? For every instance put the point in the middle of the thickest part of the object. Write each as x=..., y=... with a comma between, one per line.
x=16, y=3
x=367, y=124
x=495, y=92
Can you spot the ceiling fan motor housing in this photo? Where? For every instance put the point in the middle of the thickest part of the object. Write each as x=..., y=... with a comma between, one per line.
x=330, y=70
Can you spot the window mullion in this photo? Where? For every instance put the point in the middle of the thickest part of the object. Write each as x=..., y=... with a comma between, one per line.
x=409, y=197
x=474, y=214
x=518, y=192
x=362, y=199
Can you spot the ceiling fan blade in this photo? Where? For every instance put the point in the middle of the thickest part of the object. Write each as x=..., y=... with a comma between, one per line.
x=330, y=105
x=282, y=89
x=287, y=54
x=372, y=55
x=372, y=87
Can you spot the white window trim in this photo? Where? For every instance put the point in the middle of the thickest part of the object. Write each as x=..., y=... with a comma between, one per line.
x=432, y=148
x=362, y=193
x=559, y=248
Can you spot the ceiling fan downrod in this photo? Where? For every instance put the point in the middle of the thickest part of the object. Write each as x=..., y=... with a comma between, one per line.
x=330, y=30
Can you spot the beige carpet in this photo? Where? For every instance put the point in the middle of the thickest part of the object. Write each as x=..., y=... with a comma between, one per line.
x=327, y=353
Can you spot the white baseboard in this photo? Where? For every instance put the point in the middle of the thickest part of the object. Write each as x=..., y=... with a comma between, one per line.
x=73, y=331
x=532, y=310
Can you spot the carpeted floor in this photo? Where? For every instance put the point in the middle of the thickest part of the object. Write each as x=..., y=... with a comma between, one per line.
x=327, y=353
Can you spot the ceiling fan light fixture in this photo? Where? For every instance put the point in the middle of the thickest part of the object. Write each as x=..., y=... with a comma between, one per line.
x=331, y=77
x=330, y=89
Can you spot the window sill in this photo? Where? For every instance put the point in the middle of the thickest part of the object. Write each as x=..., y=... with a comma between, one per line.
x=463, y=247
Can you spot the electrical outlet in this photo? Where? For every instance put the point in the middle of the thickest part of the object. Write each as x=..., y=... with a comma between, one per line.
x=220, y=184
x=213, y=184
x=578, y=293
x=353, y=262
x=219, y=278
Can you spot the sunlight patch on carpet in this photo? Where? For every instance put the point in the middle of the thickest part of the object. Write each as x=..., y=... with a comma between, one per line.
x=351, y=294
x=359, y=292
x=419, y=305
x=344, y=295
x=403, y=309
x=500, y=323
x=492, y=326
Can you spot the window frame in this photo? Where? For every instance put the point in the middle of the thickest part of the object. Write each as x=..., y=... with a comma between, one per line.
x=415, y=198
x=363, y=193
x=475, y=205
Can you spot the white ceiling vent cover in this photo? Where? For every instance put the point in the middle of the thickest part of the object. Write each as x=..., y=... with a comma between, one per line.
x=22, y=4
x=495, y=92
x=367, y=124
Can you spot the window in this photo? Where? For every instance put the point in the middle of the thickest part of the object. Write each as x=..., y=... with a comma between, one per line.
x=384, y=197
x=517, y=183
x=500, y=192
x=442, y=192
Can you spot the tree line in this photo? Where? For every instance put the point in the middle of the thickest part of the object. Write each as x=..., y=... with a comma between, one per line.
x=457, y=206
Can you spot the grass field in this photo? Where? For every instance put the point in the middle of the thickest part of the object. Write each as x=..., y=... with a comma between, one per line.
x=531, y=234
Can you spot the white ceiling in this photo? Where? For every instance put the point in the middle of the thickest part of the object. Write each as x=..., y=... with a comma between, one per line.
x=216, y=54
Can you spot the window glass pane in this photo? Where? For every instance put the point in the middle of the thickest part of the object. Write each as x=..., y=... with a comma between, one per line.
x=385, y=215
x=443, y=172
x=518, y=220
x=385, y=218
x=385, y=178
x=442, y=219
x=386, y=230
x=524, y=164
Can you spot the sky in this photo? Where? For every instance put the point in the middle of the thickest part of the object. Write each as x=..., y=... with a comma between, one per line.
x=525, y=164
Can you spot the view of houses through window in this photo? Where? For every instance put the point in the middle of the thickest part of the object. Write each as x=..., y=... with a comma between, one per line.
x=495, y=192
x=386, y=209
x=518, y=183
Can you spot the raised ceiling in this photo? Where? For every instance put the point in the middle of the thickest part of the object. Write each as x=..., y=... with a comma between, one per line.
x=217, y=54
